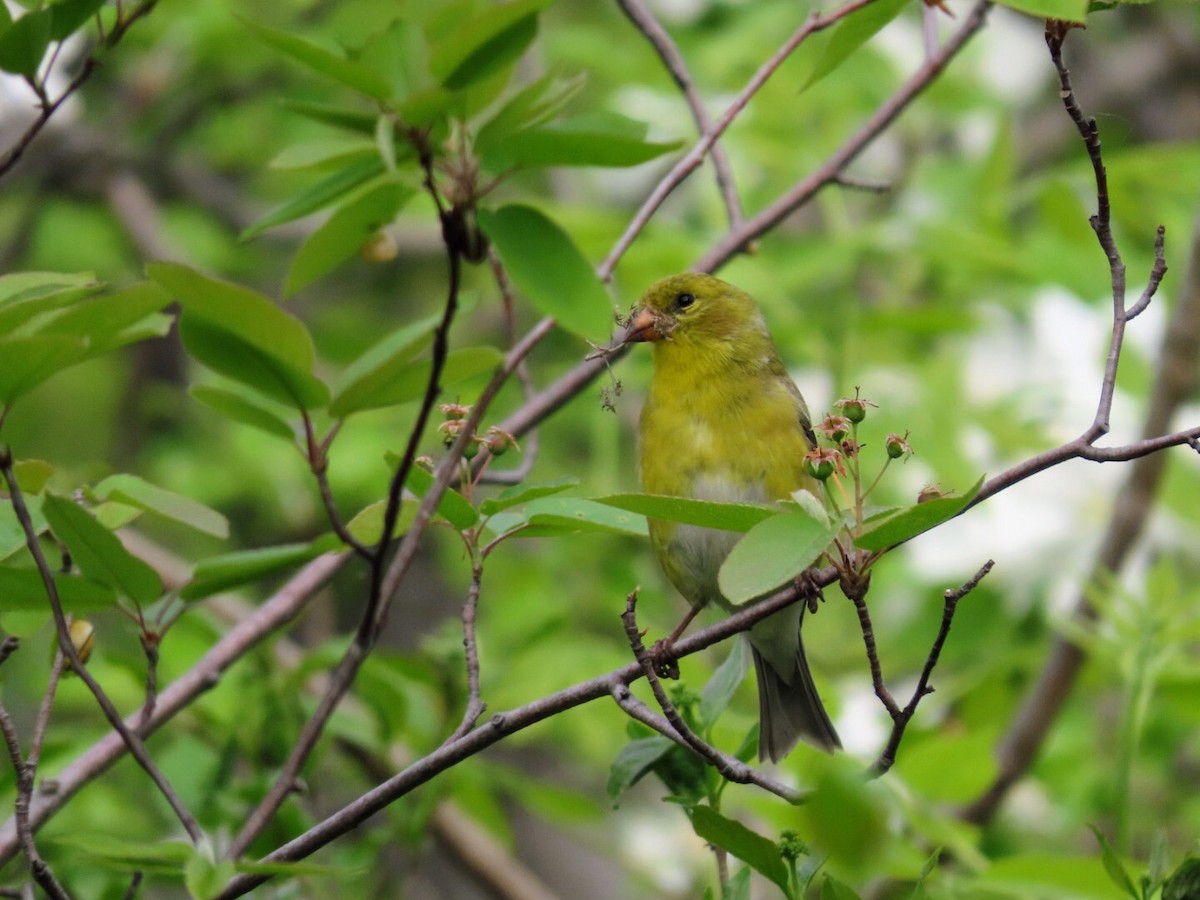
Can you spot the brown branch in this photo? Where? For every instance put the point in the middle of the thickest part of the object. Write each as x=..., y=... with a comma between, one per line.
x=901, y=718
x=831, y=170
x=8, y=647
x=1044, y=699
x=694, y=157
x=343, y=676
x=263, y=621
x=48, y=108
x=25, y=772
x=500, y=726
x=131, y=738
x=730, y=767
x=475, y=706
x=669, y=53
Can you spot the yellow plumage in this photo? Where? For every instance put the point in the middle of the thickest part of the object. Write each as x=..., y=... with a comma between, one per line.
x=723, y=421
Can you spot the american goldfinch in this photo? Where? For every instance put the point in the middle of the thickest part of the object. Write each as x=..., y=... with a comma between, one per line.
x=723, y=421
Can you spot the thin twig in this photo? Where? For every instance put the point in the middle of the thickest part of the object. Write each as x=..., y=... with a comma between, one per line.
x=42, y=721
x=8, y=647
x=500, y=726
x=669, y=53
x=48, y=109
x=136, y=747
x=694, y=157
x=804, y=190
x=1045, y=697
x=901, y=718
x=356, y=653
x=730, y=767
x=25, y=772
x=858, y=598
x=263, y=621
x=475, y=706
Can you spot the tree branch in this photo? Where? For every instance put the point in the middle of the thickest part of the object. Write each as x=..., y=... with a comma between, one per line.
x=729, y=767
x=669, y=53
x=260, y=624
x=130, y=736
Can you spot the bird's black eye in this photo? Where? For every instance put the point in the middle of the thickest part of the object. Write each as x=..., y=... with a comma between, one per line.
x=683, y=301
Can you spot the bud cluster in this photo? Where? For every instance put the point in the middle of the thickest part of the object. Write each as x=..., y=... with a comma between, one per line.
x=496, y=441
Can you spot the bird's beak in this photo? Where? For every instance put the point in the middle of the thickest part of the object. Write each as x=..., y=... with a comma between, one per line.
x=645, y=325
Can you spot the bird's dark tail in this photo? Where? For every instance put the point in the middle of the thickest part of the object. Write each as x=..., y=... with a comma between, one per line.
x=789, y=707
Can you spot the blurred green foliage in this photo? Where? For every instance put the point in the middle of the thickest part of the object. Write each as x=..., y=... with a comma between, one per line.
x=264, y=166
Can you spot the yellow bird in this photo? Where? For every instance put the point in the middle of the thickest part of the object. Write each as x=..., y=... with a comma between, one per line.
x=723, y=421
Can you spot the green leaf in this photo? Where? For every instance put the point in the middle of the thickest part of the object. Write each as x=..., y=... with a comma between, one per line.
x=408, y=381
x=567, y=515
x=99, y=553
x=453, y=506
x=749, y=846
x=595, y=140
x=134, y=491
x=326, y=153
x=772, y=553
x=537, y=102
x=379, y=366
x=163, y=857
x=324, y=62
x=634, y=761
x=719, y=690
x=738, y=887
x=114, y=320
x=19, y=304
x=345, y=233
x=488, y=41
x=68, y=15
x=1113, y=865
x=1067, y=10
x=229, y=354
x=21, y=588
x=12, y=535
x=229, y=570
x=914, y=520
x=20, y=286
x=832, y=889
x=704, y=513
x=29, y=361
x=337, y=117
x=522, y=493
x=32, y=474
x=367, y=525
x=243, y=335
x=851, y=33
x=24, y=43
x=329, y=190
x=547, y=266
x=247, y=313
x=247, y=410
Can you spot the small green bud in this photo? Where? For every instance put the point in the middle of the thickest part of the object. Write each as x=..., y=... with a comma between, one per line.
x=835, y=428
x=454, y=411
x=471, y=448
x=897, y=446
x=854, y=408
x=821, y=464
x=498, y=442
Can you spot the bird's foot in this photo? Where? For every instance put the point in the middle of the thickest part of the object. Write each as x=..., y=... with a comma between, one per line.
x=810, y=590
x=662, y=655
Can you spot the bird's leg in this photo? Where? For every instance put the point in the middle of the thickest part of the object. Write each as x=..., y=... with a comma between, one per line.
x=663, y=650
x=806, y=585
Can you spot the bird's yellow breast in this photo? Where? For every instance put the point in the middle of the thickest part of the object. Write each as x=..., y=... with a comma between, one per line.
x=732, y=426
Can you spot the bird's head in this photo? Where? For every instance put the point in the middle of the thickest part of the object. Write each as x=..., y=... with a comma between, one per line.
x=694, y=309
